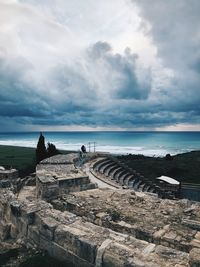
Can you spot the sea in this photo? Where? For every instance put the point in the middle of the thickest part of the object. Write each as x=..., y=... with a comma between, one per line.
x=115, y=142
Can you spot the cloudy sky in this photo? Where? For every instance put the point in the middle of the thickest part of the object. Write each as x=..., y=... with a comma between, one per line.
x=99, y=65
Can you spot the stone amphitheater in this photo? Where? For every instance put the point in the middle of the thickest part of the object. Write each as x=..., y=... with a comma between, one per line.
x=110, y=170
x=113, y=170
x=94, y=212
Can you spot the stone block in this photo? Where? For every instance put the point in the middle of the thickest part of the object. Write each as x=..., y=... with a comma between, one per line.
x=45, y=244
x=158, y=235
x=33, y=235
x=76, y=239
x=15, y=208
x=4, y=230
x=119, y=255
x=194, y=257
x=149, y=249
x=22, y=226
x=170, y=236
x=13, y=231
x=48, y=227
x=197, y=236
x=193, y=224
x=63, y=254
x=112, y=260
x=195, y=243
x=46, y=224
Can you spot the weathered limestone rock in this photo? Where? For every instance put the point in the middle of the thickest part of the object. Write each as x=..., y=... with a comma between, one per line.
x=197, y=236
x=65, y=255
x=194, y=258
x=4, y=231
x=76, y=238
x=193, y=224
x=47, y=187
x=60, y=159
x=142, y=217
x=100, y=252
x=66, y=236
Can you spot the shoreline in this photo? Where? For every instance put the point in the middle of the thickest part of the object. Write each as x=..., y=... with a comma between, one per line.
x=136, y=152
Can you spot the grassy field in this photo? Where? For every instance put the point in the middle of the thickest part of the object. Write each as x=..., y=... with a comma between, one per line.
x=183, y=167
x=21, y=158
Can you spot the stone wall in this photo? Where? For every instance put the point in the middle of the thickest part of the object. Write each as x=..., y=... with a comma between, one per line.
x=173, y=224
x=69, y=238
x=58, y=175
x=49, y=187
x=46, y=187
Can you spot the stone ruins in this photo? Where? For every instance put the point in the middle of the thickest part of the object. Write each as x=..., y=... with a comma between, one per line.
x=7, y=176
x=117, y=225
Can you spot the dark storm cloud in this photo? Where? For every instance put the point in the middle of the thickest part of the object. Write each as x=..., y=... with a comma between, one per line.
x=53, y=74
x=174, y=27
x=18, y=98
x=123, y=67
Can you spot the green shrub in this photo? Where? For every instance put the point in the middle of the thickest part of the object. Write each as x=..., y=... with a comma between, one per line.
x=114, y=214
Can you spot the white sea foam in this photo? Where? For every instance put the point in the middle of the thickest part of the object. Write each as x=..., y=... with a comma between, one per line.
x=158, y=151
x=23, y=143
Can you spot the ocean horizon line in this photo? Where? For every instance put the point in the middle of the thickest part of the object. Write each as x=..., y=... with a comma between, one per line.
x=101, y=131
x=120, y=142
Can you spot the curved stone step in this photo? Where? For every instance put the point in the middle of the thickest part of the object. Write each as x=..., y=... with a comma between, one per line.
x=112, y=169
x=137, y=185
x=141, y=187
x=136, y=180
x=115, y=172
x=127, y=178
x=101, y=164
x=130, y=184
x=123, y=177
x=107, y=168
x=131, y=181
x=151, y=189
x=98, y=162
x=104, y=168
x=145, y=188
x=119, y=174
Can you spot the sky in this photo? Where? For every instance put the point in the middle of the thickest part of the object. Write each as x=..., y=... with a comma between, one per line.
x=99, y=65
